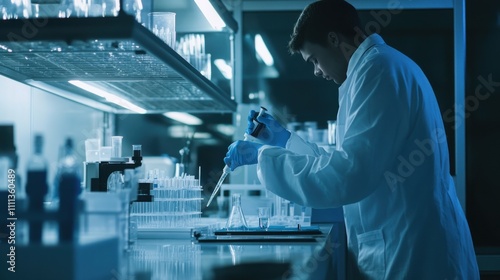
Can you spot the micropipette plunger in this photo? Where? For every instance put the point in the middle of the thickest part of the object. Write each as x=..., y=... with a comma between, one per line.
x=251, y=137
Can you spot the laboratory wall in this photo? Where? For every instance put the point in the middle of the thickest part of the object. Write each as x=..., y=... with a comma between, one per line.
x=482, y=121
x=33, y=111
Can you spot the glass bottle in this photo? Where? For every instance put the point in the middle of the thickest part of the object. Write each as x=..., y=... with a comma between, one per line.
x=67, y=188
x=68, y=163
x=236, y=218
x=36, y=188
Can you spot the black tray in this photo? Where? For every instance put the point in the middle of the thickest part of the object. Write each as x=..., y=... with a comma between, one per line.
x=256, y=238
x=310, y=230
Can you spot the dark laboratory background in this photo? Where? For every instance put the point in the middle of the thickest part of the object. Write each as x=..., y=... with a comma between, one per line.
x=424, y=35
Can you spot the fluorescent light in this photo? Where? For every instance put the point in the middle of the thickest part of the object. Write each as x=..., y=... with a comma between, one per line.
x=224, y=68
x=108, y=96
x=261, y=95
x=263, y=51
x=184, y=118
x=180, y=131
x=225, y=129
x=202, y=135
x=72, y=96
x=210, y=14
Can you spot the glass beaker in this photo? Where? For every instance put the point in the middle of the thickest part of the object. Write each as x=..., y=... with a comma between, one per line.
x=236, y=218
x=92, y=150
x=264, y=215
x=116, y=144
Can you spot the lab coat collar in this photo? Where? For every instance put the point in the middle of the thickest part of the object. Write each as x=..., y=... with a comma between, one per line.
x=369, y=42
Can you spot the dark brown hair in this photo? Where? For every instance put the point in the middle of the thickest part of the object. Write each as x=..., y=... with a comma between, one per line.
x=321, y=17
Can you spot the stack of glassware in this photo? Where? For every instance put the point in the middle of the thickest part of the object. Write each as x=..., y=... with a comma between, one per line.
x=192, y=48
x=177, y=203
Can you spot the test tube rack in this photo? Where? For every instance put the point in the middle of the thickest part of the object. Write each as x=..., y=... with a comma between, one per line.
x=176, y=204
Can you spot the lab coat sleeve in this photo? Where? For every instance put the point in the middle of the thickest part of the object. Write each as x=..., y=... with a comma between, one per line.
x=298, y=145
x=376, y=126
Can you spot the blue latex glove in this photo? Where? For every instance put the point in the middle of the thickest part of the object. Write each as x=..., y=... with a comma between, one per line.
x=241, y=153
x=272, y=134
x=251, y=125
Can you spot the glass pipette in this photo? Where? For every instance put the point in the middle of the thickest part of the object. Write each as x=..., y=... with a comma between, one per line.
x=226, y=169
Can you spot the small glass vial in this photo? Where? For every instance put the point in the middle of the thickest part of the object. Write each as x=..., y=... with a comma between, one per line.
x=264, y=214
x=236, y=218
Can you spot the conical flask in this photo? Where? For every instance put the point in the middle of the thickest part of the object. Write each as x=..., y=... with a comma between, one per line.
x=236, y=218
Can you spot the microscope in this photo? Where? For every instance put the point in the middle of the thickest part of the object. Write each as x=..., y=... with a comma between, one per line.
x=97, y=173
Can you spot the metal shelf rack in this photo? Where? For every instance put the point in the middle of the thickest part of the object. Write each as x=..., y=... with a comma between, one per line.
x=116, y=54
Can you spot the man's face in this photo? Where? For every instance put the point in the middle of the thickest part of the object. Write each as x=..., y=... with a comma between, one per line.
x=329, y=61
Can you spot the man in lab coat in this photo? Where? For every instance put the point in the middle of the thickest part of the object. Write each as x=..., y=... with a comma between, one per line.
x=390, y=169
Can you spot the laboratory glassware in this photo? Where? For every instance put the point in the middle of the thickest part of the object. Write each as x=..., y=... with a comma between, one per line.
x=68, y=192
x=116, y=146
x=92, y=150
x=162, y=24
x=236, y=219
x=67, y=163
x=225, y=172
x=36, y=188
x=264, y=216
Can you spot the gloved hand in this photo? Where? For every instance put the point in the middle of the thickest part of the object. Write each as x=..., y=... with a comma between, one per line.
x=241, y=153
x=272, y=134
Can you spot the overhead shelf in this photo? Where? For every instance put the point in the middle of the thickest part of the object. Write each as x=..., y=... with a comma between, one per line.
x=116, y=54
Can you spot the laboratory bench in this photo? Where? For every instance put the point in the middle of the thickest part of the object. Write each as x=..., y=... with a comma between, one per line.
x=322, y=257
x=184, y=256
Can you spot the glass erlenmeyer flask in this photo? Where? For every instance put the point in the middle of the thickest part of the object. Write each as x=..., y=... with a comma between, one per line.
x=236, y=218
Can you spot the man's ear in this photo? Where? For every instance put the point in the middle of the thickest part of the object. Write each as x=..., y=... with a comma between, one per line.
x=333, y=39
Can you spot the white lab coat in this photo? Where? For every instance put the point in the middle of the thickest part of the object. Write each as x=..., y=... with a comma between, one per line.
x=390, y=172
